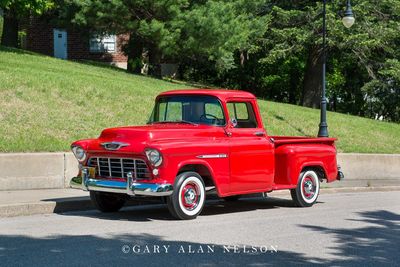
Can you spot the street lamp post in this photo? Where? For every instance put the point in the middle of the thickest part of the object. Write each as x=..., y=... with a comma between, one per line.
x=348, y=21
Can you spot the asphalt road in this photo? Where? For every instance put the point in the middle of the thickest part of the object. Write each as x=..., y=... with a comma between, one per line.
x=342, y=229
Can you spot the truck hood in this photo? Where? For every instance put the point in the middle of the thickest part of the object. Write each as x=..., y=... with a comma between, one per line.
x=136, y=138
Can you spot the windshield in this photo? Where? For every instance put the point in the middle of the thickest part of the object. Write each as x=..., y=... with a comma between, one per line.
x=188, y=109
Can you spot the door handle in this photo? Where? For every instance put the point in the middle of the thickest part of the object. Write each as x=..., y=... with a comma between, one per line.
x=259, y=133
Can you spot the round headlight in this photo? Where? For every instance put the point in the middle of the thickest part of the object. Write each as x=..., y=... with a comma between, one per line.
x=79, y=153
x=154, y=156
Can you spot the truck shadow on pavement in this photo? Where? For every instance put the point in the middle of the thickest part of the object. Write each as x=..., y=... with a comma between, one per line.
x=150, y=212
x=376, y=244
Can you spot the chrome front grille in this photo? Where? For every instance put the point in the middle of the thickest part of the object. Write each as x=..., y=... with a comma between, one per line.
x=119, y=167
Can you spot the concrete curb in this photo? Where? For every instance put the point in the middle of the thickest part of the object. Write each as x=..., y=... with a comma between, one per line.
x=53, y=206
x=360, y=189
x=68, y=204
x=45, y=207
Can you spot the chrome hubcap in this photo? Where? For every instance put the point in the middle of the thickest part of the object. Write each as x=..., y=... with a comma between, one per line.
x=309, y=187
x=190, y=196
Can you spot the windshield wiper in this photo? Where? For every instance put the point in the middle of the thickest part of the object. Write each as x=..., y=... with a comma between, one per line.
x=177, y=121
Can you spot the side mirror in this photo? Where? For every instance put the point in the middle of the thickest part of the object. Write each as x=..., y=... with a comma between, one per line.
x=233, y=122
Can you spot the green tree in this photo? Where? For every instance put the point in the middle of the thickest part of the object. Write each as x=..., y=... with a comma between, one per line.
x=13, y=11
x=270, y=47
x=213, y=31
x=357, y=57
x=146, y=22
x=382, y=94
x=199, y=33
x=362, y=49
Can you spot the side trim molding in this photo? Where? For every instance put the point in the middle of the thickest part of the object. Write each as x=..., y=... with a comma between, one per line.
x=212, y=156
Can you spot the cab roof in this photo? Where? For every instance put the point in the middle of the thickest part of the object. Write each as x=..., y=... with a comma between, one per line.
x=222, y=94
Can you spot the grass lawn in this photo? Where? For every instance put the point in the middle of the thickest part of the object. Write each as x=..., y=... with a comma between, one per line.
x=47, y=103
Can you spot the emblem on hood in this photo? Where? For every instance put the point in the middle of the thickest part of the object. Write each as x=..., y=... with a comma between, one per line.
x=113, y=145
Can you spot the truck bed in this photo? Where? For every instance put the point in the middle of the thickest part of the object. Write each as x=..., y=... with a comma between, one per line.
x=294, y=153
x=284, y=140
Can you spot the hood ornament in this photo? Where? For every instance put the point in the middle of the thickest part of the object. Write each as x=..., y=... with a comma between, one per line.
x=113, y=145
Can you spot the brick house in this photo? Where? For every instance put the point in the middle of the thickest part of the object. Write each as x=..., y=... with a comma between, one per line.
x=42, y=36
x=45, y=38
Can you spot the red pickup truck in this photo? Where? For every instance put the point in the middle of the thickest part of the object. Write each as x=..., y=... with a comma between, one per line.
x=196, y=141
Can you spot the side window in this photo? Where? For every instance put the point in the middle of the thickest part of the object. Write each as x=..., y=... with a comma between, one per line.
x=174, y=111
x=243, y=113
x=213, y=110
x=162, y=111
x=231, y=110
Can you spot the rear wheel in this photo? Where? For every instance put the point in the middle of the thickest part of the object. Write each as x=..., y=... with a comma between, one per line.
x=307, y=190
x=107, y=202
x=188, y=198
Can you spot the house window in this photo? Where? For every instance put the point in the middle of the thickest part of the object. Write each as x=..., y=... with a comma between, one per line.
x=103, y=43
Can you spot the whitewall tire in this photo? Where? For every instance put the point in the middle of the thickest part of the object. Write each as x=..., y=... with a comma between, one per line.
x=188, y=198
x=307, y=190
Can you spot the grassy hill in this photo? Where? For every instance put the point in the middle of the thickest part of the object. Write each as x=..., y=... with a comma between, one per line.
x=47, y=103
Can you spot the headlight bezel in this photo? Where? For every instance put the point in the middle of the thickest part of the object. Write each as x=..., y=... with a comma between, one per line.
x=154, y=156
x=79, y=153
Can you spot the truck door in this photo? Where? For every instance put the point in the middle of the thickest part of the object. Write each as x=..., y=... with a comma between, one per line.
x=251, y=152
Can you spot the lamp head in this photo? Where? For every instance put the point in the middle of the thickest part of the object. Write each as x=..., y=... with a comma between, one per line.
x=348, y=18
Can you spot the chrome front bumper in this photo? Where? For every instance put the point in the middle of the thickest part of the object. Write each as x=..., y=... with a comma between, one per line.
x=130, y=187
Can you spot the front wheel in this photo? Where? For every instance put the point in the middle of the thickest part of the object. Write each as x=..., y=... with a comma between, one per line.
x=188, y=198
x=107, y=202
x=307, y=190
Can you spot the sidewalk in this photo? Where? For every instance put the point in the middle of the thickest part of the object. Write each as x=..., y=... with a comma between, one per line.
x=46, y=201
x=42, y=201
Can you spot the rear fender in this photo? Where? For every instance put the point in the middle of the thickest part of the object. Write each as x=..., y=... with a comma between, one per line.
x=292, y=159
x=316, y=165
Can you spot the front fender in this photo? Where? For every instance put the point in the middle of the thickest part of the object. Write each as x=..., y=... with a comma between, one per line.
x=217, y=170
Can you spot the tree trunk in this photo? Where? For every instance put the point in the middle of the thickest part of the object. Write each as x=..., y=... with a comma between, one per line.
x=10, y=29
x=334, y=104
x=154, y=61
x=312, y=86
x=294, y=83
x=242, y=77
x=135, y=51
